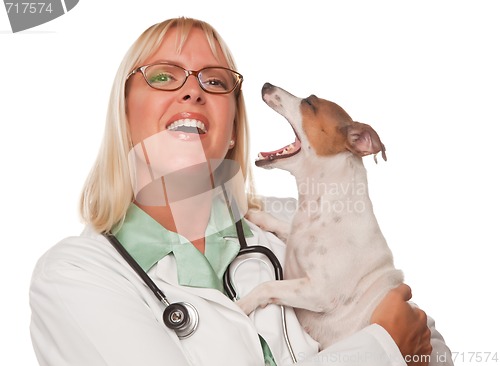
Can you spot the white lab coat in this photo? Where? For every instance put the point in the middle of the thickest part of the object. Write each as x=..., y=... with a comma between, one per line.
x=90, y=308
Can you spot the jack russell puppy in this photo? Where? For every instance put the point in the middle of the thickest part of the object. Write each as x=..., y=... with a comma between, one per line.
x=338, y=266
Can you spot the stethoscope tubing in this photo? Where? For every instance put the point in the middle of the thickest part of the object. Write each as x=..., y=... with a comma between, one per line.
x=278, y=270
x=137, y=268
x=278, y=275
x=183, y=317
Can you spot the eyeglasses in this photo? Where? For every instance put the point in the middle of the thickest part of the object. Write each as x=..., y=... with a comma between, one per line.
x=215, y=80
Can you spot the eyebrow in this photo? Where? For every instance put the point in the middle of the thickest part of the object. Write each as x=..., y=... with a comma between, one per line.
x=183, y=65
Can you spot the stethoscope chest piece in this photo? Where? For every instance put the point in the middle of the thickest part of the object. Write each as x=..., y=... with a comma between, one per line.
x=181, y=317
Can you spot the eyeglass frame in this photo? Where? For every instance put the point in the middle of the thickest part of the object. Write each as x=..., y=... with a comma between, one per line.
x=188, y=73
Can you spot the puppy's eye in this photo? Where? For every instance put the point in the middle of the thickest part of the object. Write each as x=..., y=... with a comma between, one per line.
x=309, y=102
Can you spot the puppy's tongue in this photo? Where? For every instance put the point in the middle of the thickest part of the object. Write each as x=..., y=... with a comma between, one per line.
x=284, y=152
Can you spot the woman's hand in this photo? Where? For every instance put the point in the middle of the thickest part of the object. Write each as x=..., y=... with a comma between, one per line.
x=406, y=324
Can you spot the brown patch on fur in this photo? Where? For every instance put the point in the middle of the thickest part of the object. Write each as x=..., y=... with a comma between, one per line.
x=324, y=124
x=330, y=130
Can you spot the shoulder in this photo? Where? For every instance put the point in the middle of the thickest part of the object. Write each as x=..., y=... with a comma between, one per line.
x=86, y=252
x=79, y=268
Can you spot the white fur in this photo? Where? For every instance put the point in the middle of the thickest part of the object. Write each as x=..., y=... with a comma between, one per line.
x=338, y=265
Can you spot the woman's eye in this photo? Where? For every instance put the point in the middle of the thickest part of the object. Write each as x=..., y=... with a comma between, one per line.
x=161, y=78
x=213, y=82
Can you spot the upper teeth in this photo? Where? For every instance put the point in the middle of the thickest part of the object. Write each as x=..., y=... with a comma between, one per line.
x=187, y=123
x=285, y=151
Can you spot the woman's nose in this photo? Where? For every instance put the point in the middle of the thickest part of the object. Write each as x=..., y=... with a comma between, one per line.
x=191, y=91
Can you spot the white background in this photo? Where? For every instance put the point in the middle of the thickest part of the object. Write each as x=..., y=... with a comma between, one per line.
x=424, y=74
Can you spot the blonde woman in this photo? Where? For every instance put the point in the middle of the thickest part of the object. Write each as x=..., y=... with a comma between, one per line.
x=176, y=117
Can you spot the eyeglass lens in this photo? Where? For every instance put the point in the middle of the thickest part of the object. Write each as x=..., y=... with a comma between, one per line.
x=171, y=77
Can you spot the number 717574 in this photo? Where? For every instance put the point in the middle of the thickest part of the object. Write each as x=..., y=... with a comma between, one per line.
x=31, y=8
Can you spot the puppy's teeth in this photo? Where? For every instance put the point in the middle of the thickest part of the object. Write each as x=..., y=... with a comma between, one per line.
x=260, y=156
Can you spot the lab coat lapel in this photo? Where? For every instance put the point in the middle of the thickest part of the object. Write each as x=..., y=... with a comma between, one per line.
x=221, y=320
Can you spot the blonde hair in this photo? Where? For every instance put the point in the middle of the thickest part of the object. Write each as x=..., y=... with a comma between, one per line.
x=107, y=192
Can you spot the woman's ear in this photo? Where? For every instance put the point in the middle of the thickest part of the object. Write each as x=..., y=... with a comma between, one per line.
x=232, y=142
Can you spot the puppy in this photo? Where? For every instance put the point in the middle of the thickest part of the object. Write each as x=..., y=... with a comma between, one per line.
x=338, y=265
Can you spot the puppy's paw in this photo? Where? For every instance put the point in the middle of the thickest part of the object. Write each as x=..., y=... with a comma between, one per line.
x=258, y=217
x=247, y=304
x=268, y=222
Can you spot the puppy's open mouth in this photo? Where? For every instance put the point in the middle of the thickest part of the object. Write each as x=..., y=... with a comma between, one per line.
x=265, y=158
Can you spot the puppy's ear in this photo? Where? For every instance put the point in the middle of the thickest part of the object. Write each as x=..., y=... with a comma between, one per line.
x=362, y=140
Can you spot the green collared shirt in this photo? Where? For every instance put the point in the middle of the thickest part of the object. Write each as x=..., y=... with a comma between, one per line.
x=148, y=242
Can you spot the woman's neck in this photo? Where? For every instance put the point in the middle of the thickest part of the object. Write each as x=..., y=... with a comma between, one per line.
x=188, y=218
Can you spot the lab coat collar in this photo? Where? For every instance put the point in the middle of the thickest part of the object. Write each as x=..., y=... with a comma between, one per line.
x=148, y=242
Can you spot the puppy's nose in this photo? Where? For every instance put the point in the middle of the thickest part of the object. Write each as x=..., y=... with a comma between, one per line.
x=267, y=88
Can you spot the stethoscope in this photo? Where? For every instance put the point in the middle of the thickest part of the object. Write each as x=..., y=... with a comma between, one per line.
x=182, y=317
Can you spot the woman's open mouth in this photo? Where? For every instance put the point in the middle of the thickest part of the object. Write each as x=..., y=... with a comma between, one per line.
x=188, y=125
